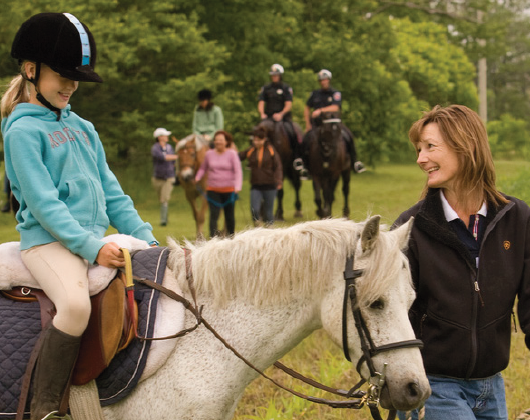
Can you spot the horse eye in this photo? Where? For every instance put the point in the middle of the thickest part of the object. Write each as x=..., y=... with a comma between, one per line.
x=377, y=304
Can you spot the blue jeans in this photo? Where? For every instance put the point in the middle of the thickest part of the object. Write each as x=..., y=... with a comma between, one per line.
x=267, y=197
x=457, y=399
x=216, y=202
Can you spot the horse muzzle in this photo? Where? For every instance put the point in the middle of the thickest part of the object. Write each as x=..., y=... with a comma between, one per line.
x=406, y=396
x=187, y=174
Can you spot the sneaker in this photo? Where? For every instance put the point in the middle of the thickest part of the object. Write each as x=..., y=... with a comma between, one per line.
x=358, y=167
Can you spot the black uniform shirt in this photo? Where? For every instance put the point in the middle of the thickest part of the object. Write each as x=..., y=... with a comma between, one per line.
x=321, y=98
x=275, y=95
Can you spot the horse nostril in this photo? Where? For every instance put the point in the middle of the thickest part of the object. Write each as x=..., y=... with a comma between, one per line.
x=413, y=389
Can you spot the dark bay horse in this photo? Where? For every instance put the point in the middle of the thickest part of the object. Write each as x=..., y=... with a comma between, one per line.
x=329, y=160
x=279, y=138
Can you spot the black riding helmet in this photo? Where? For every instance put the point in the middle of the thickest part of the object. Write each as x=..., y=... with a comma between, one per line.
x=204, y=94
x=61, y=42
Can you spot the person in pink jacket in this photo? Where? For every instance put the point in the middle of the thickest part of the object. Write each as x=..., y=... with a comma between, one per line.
x=225, y=179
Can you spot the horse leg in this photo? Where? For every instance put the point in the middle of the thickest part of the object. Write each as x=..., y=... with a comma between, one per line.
x=317, y=189
x=346, y=192
x=297, y=184
x=200, y=218
x=329, y=195
x=279, y=207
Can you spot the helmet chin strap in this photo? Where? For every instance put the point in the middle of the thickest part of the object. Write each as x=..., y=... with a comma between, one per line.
x=41, y=98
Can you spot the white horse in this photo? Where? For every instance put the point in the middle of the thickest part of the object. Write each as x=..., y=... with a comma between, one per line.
x=264, y=291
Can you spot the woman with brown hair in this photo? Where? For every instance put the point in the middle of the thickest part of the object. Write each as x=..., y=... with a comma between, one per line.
x=469, y=256
x=225, y=179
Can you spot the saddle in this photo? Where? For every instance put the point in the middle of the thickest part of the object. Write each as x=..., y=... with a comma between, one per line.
x=112, y=324
x=20, y=325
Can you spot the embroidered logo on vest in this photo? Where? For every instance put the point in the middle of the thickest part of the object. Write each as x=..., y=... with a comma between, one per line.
x=507, y=245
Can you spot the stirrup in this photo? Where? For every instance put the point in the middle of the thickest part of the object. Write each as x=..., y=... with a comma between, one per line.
x=298, y=164
x=54, y=415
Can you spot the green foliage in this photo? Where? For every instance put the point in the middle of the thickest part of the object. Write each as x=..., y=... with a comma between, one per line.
x=390, y=62
x=509, y=138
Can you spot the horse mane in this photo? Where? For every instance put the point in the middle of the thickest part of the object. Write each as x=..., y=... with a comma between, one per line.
x=272, y=266
x=200, y=142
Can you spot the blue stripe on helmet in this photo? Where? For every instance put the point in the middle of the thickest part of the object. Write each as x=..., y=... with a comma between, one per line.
x=85, y=43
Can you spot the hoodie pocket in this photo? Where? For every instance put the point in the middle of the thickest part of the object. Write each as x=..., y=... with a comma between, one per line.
x=85, y=200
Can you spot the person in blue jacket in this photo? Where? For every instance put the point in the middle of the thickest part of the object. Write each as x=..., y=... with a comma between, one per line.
x=68, y=196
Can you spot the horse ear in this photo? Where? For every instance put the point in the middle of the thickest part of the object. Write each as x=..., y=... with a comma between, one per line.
x=403, y=233
x=370, y=233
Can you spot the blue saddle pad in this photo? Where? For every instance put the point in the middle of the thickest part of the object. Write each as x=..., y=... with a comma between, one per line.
x=20, y=326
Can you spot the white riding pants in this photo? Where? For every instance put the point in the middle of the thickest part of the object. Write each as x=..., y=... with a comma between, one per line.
x=64, y=278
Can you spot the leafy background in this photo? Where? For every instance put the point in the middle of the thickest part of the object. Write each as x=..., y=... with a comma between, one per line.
x=391, y=60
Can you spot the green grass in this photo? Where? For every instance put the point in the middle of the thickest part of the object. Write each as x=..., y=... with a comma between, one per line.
x=387, y=191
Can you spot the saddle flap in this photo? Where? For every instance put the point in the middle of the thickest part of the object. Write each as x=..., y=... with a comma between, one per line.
x=109, y=330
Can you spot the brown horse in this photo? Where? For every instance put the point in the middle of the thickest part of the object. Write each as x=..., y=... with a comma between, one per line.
x=279, y=138
x=191, y=151
x=328, y=161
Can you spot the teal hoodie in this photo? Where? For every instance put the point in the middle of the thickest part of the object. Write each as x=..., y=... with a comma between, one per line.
x=59, y=174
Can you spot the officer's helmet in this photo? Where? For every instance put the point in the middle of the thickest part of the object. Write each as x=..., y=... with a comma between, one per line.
x=276, y=69
x=324, y=74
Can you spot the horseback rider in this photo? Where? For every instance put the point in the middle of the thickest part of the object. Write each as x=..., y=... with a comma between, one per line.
x=68, y=196
x=207, y=117
x=275, y=101
x=326, y=100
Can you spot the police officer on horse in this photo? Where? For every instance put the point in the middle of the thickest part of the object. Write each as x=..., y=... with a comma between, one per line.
x=275, y=102
x=326, y=100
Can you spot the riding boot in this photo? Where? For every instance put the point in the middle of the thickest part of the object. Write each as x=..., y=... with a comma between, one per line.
x=356, y=165
x=163, y=214
x=55, y=363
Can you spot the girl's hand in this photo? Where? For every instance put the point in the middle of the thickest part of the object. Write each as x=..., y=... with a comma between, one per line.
x=110, y=255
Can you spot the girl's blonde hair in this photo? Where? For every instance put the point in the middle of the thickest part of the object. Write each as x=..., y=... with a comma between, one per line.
x=17, y=92
x=464, y=132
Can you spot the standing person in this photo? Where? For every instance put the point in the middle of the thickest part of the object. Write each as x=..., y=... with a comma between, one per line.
x=329, y=100
x=67, y=193
x=265, y=177
x=224, y=181
x=469, y=256
x=207, y=117
x=163, y=179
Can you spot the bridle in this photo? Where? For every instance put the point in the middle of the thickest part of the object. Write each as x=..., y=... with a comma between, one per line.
x=368, y=348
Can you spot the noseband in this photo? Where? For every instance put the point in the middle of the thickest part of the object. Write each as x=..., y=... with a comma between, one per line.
x=369, y=349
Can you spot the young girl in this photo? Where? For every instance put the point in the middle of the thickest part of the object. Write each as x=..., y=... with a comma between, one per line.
x=67, y=193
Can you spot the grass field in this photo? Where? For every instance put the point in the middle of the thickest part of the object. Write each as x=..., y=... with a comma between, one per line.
x=387, y=190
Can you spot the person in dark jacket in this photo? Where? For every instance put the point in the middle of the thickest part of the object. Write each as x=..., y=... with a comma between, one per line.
x=469, y=256
x=265, y=178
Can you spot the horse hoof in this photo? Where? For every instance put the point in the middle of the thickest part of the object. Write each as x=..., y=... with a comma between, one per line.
x=298, y=214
